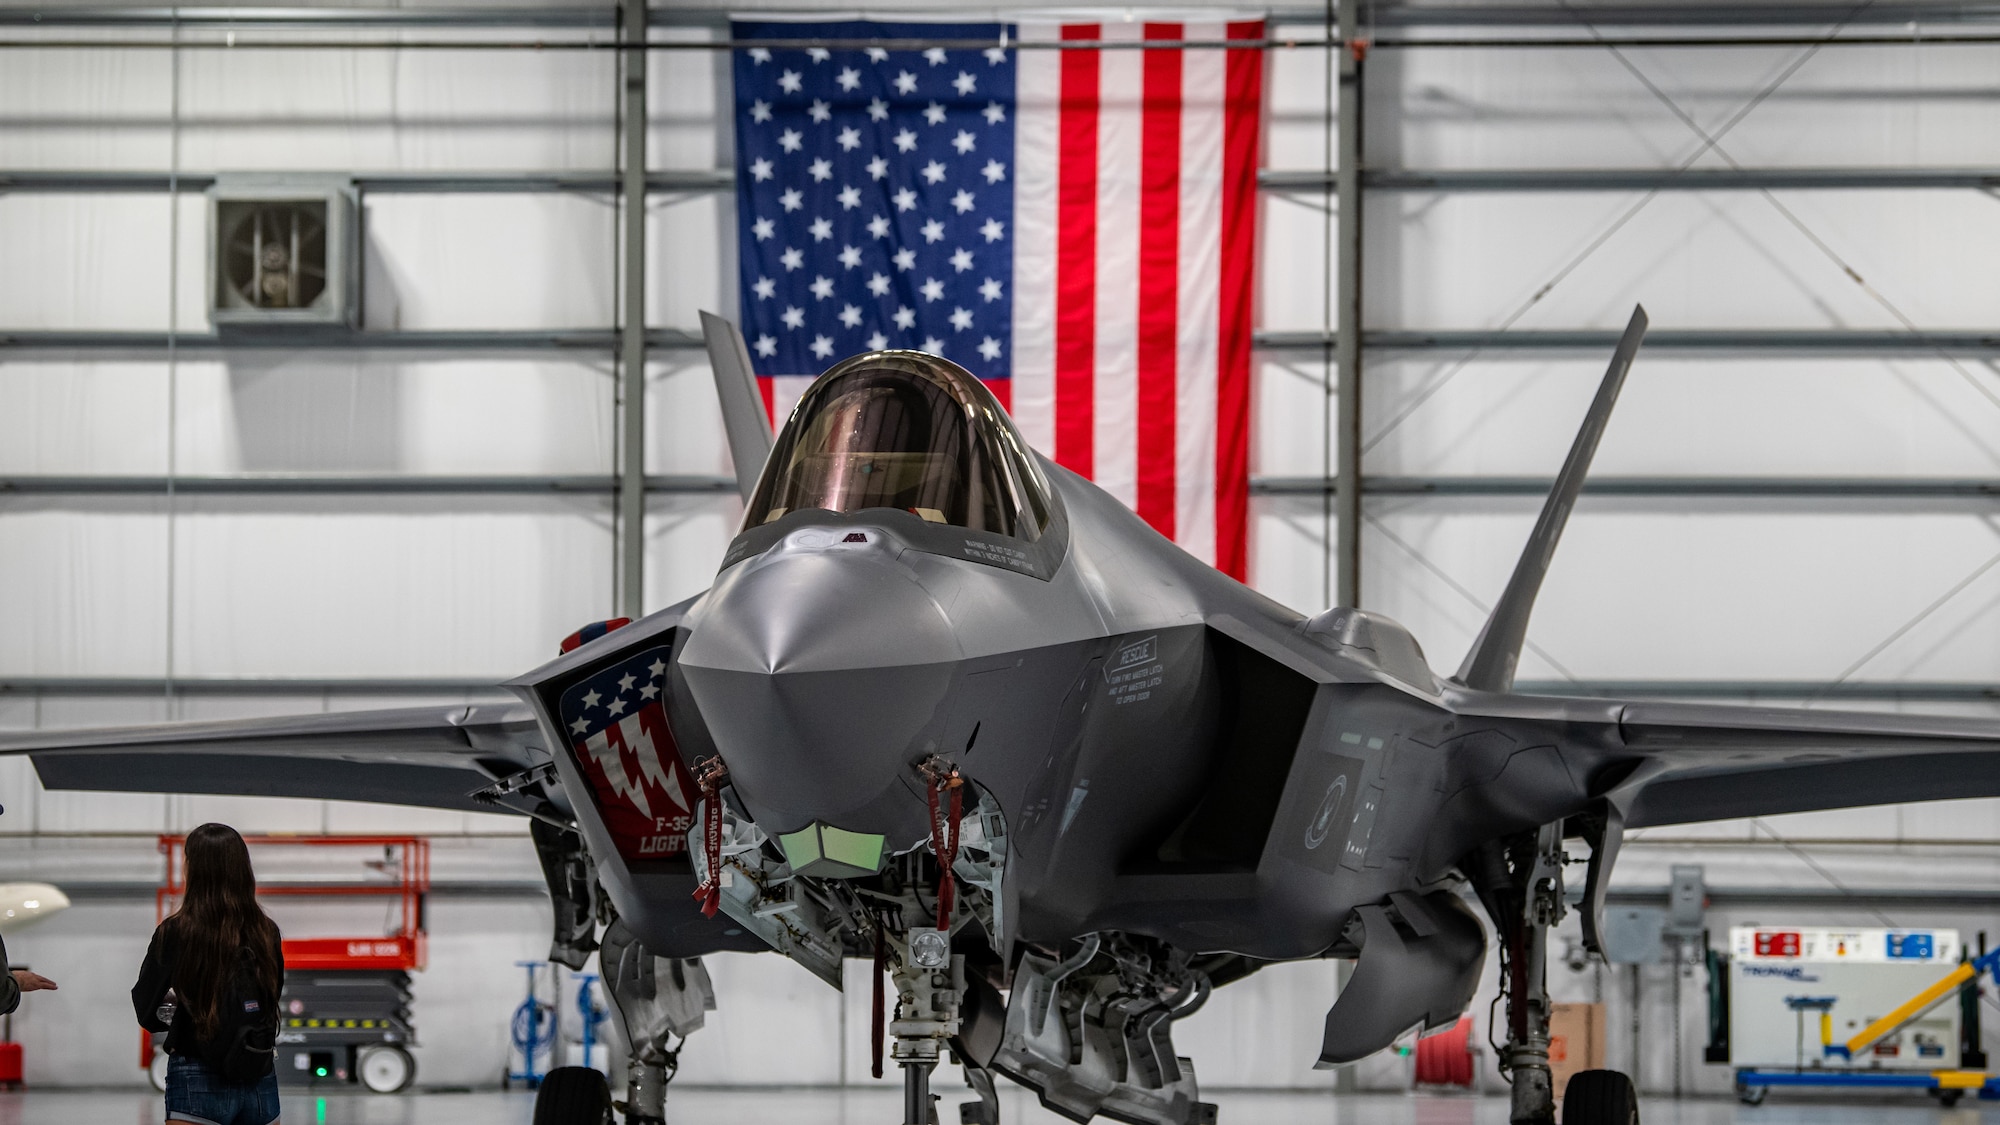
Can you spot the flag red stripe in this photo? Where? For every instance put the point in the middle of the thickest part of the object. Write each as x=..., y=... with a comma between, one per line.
x=1076, y=258
x=1003, y=390
x=765, y=392
x=1244, y=92
x=1159, y=277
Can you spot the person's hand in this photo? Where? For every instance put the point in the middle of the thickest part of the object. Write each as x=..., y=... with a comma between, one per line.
x=32, y=981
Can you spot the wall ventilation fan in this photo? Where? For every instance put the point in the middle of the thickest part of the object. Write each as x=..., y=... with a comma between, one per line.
x=283, y=253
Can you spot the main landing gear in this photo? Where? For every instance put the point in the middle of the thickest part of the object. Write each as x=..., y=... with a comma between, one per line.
x=1519, y=881
x=660, y=999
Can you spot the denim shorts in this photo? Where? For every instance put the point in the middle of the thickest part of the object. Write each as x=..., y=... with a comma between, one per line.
x=194, y=1093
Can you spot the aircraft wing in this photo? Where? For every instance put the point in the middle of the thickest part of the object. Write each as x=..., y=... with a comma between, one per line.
x=432, y=756
x=1713, y=762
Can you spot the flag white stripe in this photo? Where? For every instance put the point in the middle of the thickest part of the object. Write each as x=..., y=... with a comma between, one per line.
x=1203, y=80
x=786, y=390
x=1120, y=127
x=1037, y=157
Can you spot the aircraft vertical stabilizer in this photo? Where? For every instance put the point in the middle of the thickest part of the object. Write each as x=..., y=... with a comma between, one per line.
x=1495, y=655
x=743, y=417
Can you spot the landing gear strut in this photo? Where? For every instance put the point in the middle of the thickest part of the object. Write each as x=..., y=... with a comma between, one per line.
x=1520, y=883
x=659, y=998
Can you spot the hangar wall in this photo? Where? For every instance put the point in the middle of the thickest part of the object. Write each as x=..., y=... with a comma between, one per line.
x=1763, y=588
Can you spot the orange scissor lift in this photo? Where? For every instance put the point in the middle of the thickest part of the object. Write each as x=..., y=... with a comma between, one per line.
x=344, y=1015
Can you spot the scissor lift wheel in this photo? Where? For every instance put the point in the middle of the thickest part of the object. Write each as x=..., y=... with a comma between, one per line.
x=386, y=1069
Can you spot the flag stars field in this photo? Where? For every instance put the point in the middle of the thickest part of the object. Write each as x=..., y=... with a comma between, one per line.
x=859, y=226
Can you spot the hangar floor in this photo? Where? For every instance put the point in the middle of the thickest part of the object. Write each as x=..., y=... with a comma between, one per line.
x=882, y=1107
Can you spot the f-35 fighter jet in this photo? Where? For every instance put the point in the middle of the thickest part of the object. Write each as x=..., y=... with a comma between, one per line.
x=953, y=709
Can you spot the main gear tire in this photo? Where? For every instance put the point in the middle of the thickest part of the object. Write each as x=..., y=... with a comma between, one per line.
x=573, y=1095
x=1600, y=1097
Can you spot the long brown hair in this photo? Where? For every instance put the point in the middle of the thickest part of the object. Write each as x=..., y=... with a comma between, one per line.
x=218, y=917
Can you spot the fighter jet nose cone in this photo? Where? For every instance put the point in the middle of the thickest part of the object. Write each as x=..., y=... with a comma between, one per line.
x=822, y=676
x=820, y=612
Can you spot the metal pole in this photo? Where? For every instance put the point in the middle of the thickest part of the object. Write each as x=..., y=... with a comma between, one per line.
x=1347, y=338
x=631, y=536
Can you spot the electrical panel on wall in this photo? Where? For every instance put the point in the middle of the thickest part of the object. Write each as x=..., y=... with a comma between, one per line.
x=284, y=252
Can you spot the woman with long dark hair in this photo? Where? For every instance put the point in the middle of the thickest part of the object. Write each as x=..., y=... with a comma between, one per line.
x=219, y=955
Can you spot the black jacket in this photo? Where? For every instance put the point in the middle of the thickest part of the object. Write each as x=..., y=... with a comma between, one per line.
x=156, y=977
x=10, y=989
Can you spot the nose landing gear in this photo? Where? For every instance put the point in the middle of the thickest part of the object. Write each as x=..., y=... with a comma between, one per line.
x=660, y=999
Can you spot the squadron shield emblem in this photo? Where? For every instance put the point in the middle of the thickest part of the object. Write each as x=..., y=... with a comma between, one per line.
x=617, y=725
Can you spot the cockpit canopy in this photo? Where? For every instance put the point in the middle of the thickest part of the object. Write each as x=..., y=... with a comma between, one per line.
x=904, y=430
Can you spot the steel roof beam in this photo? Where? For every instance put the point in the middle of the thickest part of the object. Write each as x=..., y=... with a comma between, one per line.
x=717, y=180
x=1968, y=900
x=602, y=16
x=267, y=484
x=583, y=341
x=1760, y=13
x=247, y=685
x=377, y=183
x=1759, y=341
x=581, y=17
x=1842, y=488
x=1725, y=341
x=1525, y=180
x=420, y=484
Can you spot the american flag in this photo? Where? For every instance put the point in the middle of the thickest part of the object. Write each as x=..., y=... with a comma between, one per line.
x=616, y=722
x=1075, y=227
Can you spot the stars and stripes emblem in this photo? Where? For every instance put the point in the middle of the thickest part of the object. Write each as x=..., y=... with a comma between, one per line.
x=616, y=722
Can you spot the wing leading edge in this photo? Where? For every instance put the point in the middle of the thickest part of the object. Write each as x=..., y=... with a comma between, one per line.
x=1676, y=763
x=1710, y=762
x=436, y=757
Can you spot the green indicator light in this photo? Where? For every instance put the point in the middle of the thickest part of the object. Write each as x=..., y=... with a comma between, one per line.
x=801, y=847
x=856, y=849
x=827, y=852
x=321, y=1072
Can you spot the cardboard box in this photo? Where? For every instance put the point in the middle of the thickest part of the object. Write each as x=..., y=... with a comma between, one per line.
x=1576, y=1041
